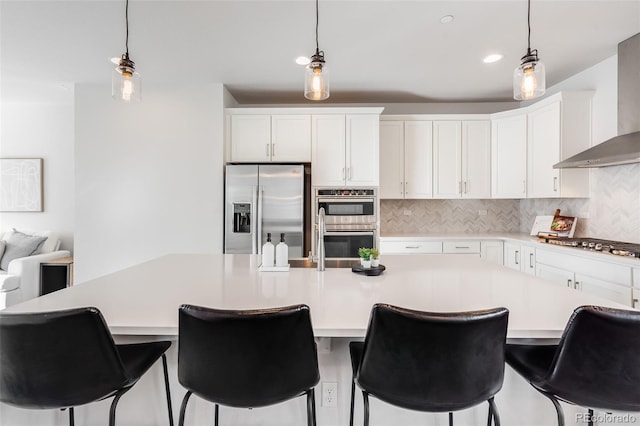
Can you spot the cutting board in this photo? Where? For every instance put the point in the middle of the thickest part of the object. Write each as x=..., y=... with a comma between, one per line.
x=541, y=224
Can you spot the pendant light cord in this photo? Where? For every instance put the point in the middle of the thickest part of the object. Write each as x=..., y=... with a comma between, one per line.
x=528, y=25
x=126, y=18
x=317, y=44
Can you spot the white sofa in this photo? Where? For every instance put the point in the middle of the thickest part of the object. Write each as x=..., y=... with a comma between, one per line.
x=21, y=279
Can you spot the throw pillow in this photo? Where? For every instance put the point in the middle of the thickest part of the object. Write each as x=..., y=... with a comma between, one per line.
x=20, y=245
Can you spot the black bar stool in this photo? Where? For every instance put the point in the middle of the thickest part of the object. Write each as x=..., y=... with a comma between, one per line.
x=432, y=362
x=595, y=364
x=64, y=359
x=247, y=359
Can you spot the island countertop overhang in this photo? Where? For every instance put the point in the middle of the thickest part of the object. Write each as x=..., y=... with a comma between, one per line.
x=143, y=300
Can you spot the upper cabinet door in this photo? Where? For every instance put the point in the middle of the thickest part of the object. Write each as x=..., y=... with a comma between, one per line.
x=291, y=138
x=328, y=150
x=418, y=159
x=362, y=149
x=509, y=157
x=447, y=173
x=251, y=138
x=392, y=159
x=544, y=152
x=476, y=159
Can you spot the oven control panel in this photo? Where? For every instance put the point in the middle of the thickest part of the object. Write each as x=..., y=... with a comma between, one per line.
x=345, y=192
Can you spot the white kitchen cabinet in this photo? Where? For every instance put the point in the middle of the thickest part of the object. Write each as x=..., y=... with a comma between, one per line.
x=345, y=149
x=608, y=280
x=270, y=138
x=406, y=149
x=558, y=127
x=461, y=159
x=509, y=155
x=520, y=257
x=492, y=251
x=513, y=256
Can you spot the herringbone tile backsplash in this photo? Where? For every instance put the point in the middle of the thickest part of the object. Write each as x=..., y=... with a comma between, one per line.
x=612, y=212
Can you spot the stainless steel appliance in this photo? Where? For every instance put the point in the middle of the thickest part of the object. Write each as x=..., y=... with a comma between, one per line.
x=261, y=199
x=616, y=248
x=351, y=220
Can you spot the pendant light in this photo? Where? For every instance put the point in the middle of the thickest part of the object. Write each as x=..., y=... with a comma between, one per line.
x=316, y=75
x=529, y=76
x=125, y=81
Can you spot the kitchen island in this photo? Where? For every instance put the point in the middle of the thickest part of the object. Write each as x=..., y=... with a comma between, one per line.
x=141, y=302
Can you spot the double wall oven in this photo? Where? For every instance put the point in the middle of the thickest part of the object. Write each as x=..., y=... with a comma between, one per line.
x=351, y=220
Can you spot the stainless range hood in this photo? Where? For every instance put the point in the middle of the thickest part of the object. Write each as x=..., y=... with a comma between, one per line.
x=623, y=149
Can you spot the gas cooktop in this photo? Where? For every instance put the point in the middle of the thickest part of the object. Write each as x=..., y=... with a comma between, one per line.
x=617, y=248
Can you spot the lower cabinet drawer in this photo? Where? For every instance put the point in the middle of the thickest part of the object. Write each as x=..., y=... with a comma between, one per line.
x=409, y=247
x=461, y=247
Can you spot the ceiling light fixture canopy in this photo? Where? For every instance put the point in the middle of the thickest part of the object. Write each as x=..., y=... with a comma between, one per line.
x=529, y=76
x=125, y=81
x=316, y=75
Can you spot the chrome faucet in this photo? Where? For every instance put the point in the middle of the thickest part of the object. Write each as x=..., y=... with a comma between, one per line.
x=321, y=239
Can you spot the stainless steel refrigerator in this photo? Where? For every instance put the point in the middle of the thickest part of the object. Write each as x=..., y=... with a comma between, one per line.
x=261, y=199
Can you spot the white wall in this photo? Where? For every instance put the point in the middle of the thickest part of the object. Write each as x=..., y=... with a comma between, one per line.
x=149, y=176
x=43, y=128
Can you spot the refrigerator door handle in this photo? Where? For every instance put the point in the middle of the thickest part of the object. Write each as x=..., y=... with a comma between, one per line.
x=254, y=222
x=259, y=220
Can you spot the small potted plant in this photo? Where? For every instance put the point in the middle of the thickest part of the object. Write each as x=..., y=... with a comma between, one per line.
x=365, y=257
x=375, y=257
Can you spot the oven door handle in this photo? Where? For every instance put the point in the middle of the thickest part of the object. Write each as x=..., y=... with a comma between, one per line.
x=347, y=233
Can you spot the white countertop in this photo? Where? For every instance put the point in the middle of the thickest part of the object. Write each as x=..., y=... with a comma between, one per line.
x=144, y=299
x=518, y=238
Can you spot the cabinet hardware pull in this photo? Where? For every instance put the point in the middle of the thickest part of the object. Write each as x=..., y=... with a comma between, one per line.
x=555, y=184
x=569, y=283
x=273, y=149
x=459, y=187
x=635, y=303
x=577, y=285
x=524, y=186
x=463, y=247
x=515, y=257
x=411, y=247
x=343, y=175
x=401, y=188
x=267, y=150
x=465, y=186
x=531, y=260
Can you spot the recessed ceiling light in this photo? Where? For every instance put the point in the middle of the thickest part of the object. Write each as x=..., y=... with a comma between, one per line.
x=446, y=19
x=494, y=57
x=303, y=60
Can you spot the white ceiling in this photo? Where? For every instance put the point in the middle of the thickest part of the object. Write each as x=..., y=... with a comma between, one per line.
x=377, y=50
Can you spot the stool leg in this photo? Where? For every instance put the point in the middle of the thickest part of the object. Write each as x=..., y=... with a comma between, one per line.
x=311, y=407
x=493, y=412
x=450, y=419
x=114, y=403
x=353, y=390
x=590, y=417
x=365, y=397
x=558, y=407
x=216, y=414
x=183, y=408
x=71, y=417
x=166, y=387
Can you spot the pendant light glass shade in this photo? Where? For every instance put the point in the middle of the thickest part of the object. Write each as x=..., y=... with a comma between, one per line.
x=316, y=79
x=316, y=74
x=529, y=80
x=126, y=85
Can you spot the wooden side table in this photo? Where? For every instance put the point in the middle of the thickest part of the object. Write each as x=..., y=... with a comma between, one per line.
x=56, y=275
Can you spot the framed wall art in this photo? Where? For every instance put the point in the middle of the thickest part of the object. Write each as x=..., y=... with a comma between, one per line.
x=21, y=184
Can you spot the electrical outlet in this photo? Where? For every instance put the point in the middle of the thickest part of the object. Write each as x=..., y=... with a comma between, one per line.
x=407, y=212
x=482, y=212
x=329, y=394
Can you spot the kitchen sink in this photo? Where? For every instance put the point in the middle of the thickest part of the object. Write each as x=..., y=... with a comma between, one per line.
x=328, y=263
